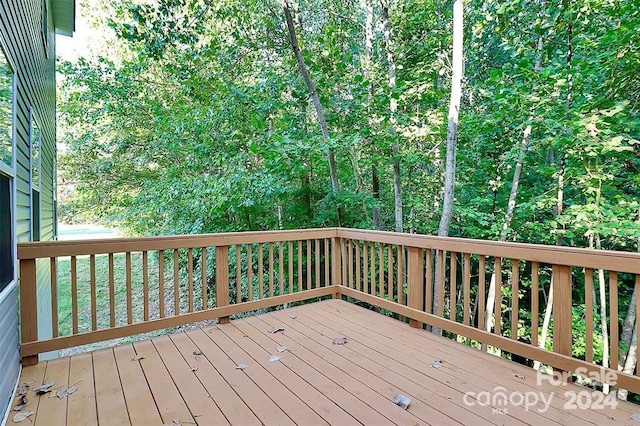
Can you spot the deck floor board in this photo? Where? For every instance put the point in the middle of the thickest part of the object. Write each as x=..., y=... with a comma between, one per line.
x=191, y=377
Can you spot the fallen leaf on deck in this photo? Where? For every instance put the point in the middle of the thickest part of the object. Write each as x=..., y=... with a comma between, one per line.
x=44, y=388
x=275, y=330
x=197, y=352
x=340, y=341
x=281, y=348
x=519, y=376
x=22, y=390
x=22, y=416
x=294, y=316
x=194, y=368
x=63, y=393
x=635, y=417
x=138, y=357
x=401, y=400
x=241, y=366
x=437, y=363
x=274, y=358
x=19, y=407
x=29, y=382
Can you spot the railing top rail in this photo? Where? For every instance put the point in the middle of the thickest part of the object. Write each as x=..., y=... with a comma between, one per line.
x=46, y=249
x=559, y=255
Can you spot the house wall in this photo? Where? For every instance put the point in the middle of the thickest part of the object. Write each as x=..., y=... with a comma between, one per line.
x=31, y=52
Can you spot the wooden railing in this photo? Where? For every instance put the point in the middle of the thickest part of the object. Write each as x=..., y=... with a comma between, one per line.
x=156, y=283
x=120, y=287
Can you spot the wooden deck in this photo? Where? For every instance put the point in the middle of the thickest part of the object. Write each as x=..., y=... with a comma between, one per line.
x=191, y=378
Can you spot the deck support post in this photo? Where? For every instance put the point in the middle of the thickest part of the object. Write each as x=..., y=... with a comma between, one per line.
x=415, y=282
x=28, y=307
x=562, y=337
x=222, y=280
x=336, y=266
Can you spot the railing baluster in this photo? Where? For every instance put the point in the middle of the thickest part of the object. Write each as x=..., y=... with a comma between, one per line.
x=318, y=281
x=238, y=273
x=358, y=283
x=466, y=288
x=280, y=268
x=112, y=293
x=613, y=317
x=291, y=245
x=260, y=272
x=482, y=297
x=440, y=307
x=161, y=283
x=205, y=282
x=327, y=280
x=428, y=291
x=129, y=289
x=222, y=280
x=497, y=306
x=74, y=296
x=309, y=258
x=92, y=283
x=176, y=282
x=381, y=269
x=300, y=265
x=343, y=262
x=250, y=272
x=515, y=278
x=350, y=263
x=400, y=287
x=373, y=287
x=390, y=272
x=365, y=266
x=190, y=277
x=145, y=284
x=53, y=264
x=270, y=269
x=588, y=307
x=453, y=290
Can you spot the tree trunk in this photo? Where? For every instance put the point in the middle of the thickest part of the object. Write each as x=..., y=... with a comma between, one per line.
x=393, y=108
x=524, y=146
x=602, y=286
x=545, y=324
x=631, y=354
x=627, y=329
x=452, y=123
x=631, y=361
x=304, y=71
x=367, y=69
x=452, y=135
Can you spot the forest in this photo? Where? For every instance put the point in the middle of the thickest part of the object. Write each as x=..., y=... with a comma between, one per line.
x=499, y=120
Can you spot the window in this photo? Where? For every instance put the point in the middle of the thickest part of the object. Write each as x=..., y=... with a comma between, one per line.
x=6, y=112
x=6, y=252
x=7, y=261
x=44, y=30
x=36, y=144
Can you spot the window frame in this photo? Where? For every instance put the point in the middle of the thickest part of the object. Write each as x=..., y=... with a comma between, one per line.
x=9, y=171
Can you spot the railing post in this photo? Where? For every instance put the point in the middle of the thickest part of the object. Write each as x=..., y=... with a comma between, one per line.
x=28, y=307
x=562, y=340
x=222, y=279
x=415, y=281
x=336, y=265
